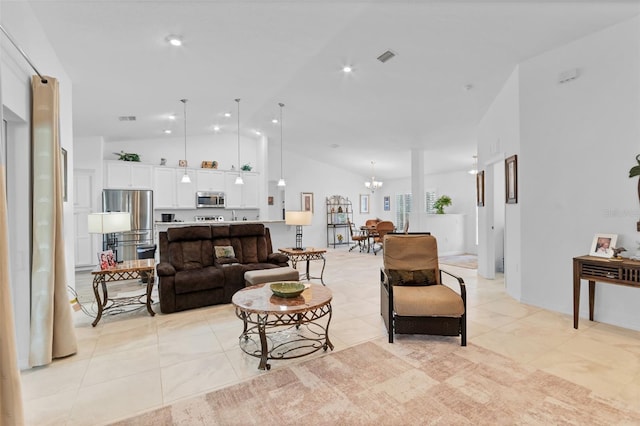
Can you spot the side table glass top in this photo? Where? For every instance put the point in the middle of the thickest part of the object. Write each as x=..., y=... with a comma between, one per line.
x=260, y=299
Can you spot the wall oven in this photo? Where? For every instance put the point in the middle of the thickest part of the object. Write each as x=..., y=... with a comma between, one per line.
x=209, y=199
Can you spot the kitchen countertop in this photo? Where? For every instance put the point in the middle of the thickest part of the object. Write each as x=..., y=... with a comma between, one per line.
x=213, y=222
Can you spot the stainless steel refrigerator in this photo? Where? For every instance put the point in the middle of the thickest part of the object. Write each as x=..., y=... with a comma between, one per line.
x=139, y=203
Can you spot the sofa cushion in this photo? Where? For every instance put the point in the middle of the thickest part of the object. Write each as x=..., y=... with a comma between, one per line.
x=206, y=278
x=418, y=277
x=189, y=255
x=189, y=233
x=434, y=300
x=224, y=251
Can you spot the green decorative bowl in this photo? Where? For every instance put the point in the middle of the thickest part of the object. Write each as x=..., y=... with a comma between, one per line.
x=287, y=288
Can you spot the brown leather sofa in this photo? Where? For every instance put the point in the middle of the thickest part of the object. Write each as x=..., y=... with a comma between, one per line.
x=197, y=267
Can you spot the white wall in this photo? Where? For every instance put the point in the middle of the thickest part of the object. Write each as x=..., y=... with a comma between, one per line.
x=578, y=141
x=15, y=84
x=499, y=137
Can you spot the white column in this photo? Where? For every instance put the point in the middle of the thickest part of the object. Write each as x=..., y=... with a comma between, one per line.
x=417, y=216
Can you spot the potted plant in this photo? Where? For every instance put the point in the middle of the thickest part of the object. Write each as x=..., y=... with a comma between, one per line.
x=441, y=203
x=340, y=237
x=246, y=167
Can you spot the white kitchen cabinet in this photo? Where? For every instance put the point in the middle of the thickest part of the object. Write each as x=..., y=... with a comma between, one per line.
x=210, y=180
x=170, y=193
x=242, y=196
x=128, y=175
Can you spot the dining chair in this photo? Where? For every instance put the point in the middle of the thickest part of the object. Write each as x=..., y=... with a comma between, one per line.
x=357, y=236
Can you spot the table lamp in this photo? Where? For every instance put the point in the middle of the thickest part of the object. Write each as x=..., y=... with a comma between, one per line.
x=299, y=219
x=108, y=224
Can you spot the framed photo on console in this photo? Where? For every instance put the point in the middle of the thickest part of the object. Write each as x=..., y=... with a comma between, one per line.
x=603, y=245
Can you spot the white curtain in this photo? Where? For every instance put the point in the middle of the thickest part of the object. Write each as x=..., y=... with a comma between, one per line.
x=52, y=333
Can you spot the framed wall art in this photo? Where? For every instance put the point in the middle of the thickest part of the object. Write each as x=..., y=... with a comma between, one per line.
x=306, y=200
x=387, y=203
x=480, y=188
x=364, y=203
x=603, y=245
x=511, y=179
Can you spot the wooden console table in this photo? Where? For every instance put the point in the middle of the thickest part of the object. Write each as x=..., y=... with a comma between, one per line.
x=591, y=268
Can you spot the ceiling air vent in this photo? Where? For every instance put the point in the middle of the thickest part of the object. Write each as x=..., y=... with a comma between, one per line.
x=127, y=118
x=386, y=56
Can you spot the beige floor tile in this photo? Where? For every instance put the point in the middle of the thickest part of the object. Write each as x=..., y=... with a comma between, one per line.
x=132, y=338
x=196, y=376
x=114, y=365
x=520, y=348
x=50, y=410
x=54, y=378
x=109, y=401
x=355, y=330
x=189, y=347
x=509, y=307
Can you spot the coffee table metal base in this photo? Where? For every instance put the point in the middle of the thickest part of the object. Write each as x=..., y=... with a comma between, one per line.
x=284, y=336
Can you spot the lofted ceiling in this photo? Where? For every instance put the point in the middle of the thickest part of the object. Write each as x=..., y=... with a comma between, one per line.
x=452, y=59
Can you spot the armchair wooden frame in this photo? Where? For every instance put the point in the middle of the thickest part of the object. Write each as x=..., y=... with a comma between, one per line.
x=433, y=325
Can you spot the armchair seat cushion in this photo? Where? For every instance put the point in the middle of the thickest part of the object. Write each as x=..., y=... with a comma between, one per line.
x=193, y=280
x=427, y=301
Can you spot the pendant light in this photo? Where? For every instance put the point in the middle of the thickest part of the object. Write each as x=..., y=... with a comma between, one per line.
x=185, y=177
x=239, y=180
x=373, y=184
x=281, y=182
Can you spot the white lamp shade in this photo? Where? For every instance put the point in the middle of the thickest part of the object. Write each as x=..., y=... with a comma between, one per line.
x=281, y=182
x=106, y=223
x=297, y=218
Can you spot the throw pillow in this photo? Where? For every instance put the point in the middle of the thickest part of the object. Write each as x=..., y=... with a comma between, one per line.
x=419, y=277
x=224, y=251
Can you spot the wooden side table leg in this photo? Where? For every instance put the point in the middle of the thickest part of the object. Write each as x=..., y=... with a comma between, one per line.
x=150, y=280
x=324, y=262
x=98, y=280
x=576, y=295
x=592, y=297
x=264, y=355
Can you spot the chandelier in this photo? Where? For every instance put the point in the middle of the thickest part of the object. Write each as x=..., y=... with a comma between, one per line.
x=373, y=184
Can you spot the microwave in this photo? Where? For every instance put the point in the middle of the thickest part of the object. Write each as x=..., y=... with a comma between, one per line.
x=209, y=199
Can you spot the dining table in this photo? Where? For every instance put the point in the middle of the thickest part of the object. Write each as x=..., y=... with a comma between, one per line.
x=371, y=232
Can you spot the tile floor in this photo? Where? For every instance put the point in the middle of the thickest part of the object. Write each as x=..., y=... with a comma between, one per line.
x=131, y=363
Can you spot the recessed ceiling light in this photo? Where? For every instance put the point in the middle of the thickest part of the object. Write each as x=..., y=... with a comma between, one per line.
x=274, y=121
x=167, y=131
x=347, y=69
x=216, y=128
x=258, y=132
x=174, y=40
x=227, y=114
x=172, y=117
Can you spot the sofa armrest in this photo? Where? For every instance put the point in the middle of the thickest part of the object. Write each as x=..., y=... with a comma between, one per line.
x=277, y=258
x=165, y=269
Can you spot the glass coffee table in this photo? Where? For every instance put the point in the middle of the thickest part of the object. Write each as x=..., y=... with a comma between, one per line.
x=283, y=328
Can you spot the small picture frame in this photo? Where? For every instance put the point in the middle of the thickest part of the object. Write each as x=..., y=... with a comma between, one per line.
x=306, y=201
x=480, y=188
x=106, y=260
x=364, y=203
x=603, y=245
x=387, y=203
x=270, y=200
x=182, y=163
x=511, y=179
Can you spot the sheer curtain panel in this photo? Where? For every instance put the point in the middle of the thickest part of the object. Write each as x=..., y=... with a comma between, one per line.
x=52, y=333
